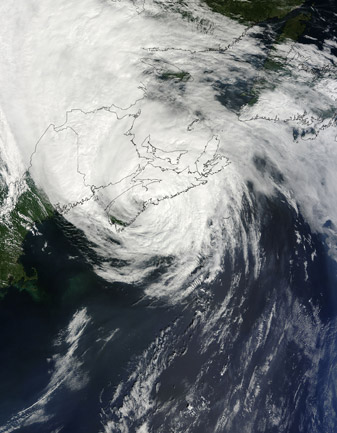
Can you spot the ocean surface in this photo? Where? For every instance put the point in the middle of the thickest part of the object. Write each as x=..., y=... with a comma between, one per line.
x=244, y=352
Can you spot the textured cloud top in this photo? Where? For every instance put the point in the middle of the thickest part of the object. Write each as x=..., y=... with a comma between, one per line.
x=137, y=124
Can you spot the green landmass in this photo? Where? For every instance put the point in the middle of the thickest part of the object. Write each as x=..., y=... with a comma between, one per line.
x=32, y=207
x=260, y=85
x=171, y=75
x=114, y=220
x=272, y=65
x=254, y=97
x=294, y=27
x=253, y=11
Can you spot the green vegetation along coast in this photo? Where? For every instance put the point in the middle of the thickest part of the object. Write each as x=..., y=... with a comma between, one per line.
x=253, y=11
x=32, y=207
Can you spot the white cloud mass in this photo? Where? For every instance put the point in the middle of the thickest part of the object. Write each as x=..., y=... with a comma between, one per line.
x=113, y=106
